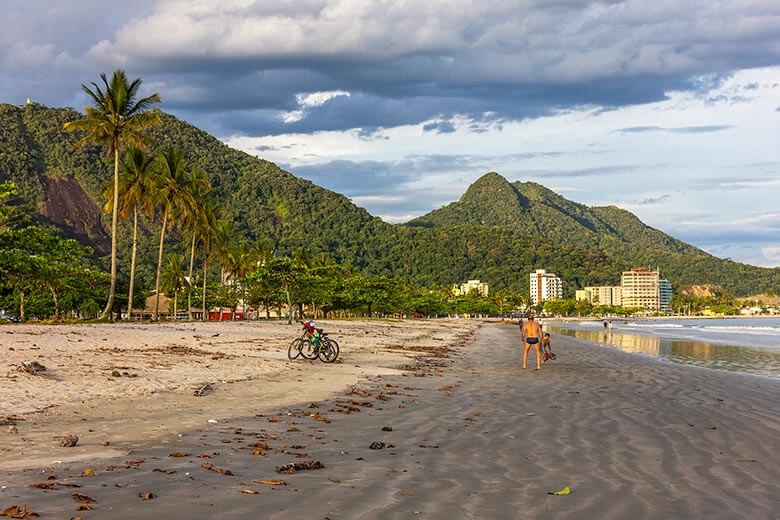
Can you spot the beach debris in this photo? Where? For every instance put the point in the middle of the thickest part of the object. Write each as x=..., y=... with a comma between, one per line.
x=18, y=512
x=379, y=445
x=83, y=499
x=166, y=471
x=147, y=495
x=249, y=491
x=562, y=492
x=105, y=443
x=212, y=421
x=203, y=390
x=88, y=472
x=271, y=482
x=116, y=373
x=10, y=420
x=31, y=367
x=429, y=445
x=47, y=484
x=12, y=429
x=294, y=467
x=530, y=414
x=178, y=453
x=69, y=441
x=334, y=480
x=387, y=428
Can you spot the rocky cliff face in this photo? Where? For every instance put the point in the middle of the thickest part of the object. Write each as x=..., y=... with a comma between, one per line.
x=68, y=207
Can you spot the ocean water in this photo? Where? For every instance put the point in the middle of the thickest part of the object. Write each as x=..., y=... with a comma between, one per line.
x=737, y=344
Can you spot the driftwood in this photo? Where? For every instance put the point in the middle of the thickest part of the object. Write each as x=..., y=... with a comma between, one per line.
x=203, y=390
x=33, y=367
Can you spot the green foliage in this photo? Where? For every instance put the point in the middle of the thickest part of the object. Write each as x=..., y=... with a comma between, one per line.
x=43, y=274
x=497, y=232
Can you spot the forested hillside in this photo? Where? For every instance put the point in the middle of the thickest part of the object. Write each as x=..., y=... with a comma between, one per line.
x=498, y=231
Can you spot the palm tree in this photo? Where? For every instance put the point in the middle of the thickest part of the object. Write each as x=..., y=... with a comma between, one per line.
x=222, y=241
x=207, y=226
x=173, y=279
x=173, y=185
x=192, y=215
x=118, y=117
x=237, y=263
x=136, y=185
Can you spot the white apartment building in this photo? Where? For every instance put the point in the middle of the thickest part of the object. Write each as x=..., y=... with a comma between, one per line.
x=544, y=286
x=475, y=286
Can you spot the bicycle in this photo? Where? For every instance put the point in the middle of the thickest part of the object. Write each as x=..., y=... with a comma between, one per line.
x=314, y=343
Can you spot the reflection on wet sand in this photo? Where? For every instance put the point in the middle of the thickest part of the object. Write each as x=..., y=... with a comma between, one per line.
x=711, y=355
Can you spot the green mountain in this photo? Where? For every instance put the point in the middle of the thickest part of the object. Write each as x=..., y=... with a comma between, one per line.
x=498, y=231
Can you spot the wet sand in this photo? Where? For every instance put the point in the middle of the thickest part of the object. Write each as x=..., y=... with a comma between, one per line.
x=473, y=436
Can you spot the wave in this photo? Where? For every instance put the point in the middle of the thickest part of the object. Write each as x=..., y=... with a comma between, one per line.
x=722, y=329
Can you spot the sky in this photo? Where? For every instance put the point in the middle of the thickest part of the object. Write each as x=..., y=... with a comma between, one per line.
x=669, y=109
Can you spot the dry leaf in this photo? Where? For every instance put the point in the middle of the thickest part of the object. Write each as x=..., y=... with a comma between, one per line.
x=147, y=495
x=207, y=466
x=249, y=491
x=258, y=452
x=19, y=512
x=271, y=482
x=48, y=484
x=85, y=499
x=85, y=507
x=166, y=471
x=224, y=471
x=178, y=453
x=89, y=472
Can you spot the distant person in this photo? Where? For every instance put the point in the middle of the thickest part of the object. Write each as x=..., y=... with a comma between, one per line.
x=532, y=334
x=547, y=352
x=520, y=324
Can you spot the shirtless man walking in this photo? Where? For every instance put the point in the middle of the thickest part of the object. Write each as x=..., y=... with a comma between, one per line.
x=532, y=332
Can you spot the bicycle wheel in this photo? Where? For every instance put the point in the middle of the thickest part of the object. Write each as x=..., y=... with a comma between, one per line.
x=294, y=350
x=308, y=350
x=329, y=351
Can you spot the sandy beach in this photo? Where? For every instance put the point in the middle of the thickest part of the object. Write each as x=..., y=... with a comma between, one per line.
x=460, y=431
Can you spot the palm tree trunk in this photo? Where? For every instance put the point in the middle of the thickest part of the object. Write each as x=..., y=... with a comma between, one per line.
x=114, y=212
x=203, y=301
x=56, y=302
x=289, y=307
x=159, y=266
x=189, y=287
x=22, y=315
x=132, y=265
x=176, y=305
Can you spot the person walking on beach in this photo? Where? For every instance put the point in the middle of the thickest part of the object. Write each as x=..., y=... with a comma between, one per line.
x=520, y=324
x=532, y=334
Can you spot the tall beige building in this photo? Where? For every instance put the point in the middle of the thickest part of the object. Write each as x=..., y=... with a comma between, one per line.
x=474, y=286
x=641, y=289
x=602, y=295
x=544, y=286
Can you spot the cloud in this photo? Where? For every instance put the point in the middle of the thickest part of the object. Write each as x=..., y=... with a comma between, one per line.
x=596, y=171
x=242, y=66
x=440, y=127
x=677, y=130
x=650, y=201
x=735, y=183
x=772, y=253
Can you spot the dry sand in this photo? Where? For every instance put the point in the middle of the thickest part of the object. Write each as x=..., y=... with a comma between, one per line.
x=473, y=436
x=160, y=366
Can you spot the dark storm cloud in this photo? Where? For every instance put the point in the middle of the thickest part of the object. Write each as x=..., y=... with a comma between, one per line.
x=676, y=130
x=236, y=67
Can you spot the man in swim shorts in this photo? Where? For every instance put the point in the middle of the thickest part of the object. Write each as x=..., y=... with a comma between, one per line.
x=532, y=332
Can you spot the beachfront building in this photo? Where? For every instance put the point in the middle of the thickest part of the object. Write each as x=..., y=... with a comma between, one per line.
x=601, y=295
x=470, y=286
x=641, y=289
x=665, y=295
x=544, y=286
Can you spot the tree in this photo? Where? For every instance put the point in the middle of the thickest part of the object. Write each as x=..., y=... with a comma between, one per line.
x=137, y=192
x=173, y=280
x=192, y=215
x=174, y=193
x=118, y=117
